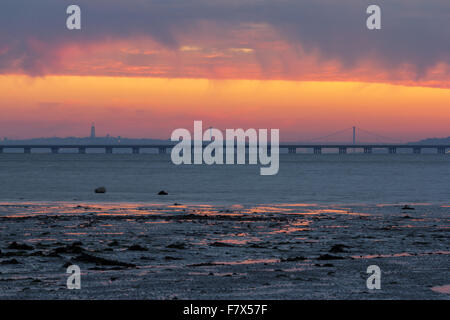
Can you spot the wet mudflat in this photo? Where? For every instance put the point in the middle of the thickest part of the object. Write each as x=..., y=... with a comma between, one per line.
x=283, y=251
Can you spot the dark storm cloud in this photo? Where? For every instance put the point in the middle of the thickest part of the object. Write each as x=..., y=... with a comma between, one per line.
x=415, y=32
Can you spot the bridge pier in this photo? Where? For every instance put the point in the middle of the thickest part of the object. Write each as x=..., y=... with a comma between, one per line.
x=291, y=148
x=392, y=150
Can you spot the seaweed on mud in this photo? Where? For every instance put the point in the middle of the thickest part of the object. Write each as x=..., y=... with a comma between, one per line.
x=221, y=244
x=338, y=248
x=85, y=257
x=12, y=261
x=136, y=247
x=71, y=248
x=177, y=245
x=19, y=246
x=293, y=259
x=329, y=257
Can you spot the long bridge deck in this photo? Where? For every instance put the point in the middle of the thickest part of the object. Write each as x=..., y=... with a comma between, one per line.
x=291, y=148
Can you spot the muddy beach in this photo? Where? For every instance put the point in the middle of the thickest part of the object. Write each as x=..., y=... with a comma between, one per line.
x=283, y=251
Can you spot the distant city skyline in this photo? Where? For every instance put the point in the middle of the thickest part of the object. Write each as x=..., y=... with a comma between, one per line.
x=342, y=136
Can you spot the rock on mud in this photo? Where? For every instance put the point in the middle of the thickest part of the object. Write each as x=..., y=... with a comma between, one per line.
x=100, y=190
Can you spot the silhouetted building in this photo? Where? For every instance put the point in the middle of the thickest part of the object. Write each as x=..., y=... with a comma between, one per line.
x=93, y=131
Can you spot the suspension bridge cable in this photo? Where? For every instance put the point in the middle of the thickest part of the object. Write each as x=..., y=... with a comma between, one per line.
x=379, y=135
x=329, y=135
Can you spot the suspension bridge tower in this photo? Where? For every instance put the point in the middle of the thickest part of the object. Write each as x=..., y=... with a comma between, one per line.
x=354, y=135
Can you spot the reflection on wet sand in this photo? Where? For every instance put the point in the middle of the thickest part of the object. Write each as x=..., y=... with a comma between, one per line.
x=442, y=289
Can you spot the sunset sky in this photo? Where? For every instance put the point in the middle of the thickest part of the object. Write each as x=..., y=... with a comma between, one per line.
x=144, y=68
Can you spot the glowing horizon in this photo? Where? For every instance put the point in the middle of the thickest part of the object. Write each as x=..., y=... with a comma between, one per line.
x=153, y=107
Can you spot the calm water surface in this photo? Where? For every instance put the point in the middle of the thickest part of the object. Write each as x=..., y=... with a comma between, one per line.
x=321, y=179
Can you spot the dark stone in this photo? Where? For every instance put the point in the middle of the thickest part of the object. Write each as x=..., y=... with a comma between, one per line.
x=18, y=246
x=406, y=207
x=163, y=193
x=100, y=190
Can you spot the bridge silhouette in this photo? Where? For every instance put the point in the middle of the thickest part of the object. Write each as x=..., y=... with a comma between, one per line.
x=316, y=145
x=353, y=134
